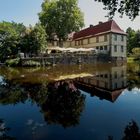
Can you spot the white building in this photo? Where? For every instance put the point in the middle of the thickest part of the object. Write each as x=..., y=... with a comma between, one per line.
x=107, y=38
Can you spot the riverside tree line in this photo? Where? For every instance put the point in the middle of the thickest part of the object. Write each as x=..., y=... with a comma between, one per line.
x=57, y=18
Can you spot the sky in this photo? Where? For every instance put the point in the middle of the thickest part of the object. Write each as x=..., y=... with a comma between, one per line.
x=25, y=11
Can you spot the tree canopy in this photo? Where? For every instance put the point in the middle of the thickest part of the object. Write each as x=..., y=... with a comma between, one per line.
x=129, y=7
x=133, y=39
x=15, y=37
x=34, y=40
x=10, y=34
x=61, y=17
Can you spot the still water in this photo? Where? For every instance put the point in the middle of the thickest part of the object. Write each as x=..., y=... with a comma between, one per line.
x=70, y=102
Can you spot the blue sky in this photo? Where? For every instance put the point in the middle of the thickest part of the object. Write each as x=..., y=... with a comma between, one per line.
x=25, y=11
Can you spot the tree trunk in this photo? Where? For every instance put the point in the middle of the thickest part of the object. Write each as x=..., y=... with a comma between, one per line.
x=60, y=43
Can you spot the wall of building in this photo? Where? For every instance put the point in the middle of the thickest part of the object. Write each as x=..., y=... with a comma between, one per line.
x=109, y=43
x=112, y=79
x=99, y=42
x=118, y=45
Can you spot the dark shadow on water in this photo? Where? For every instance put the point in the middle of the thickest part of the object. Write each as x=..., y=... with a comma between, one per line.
x=4, y=130
x=131, y=132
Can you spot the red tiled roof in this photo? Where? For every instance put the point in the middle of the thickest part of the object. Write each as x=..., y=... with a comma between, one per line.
x=109, y=26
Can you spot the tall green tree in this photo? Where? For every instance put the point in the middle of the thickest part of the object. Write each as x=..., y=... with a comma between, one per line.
x=129, y=7
x=38, y=36
x=130, y=39
x=133, y=40
x=34, y=40
x=61, y=17
x=137, y=39
x=10, y=33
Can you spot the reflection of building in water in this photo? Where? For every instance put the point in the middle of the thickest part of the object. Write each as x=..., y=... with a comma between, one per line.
x=107, y=84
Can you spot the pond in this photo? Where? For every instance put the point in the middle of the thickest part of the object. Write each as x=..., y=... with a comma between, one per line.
x=70, y=102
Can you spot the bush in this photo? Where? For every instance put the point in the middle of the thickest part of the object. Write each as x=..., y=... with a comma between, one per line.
x=31, y=63
x=13, y=62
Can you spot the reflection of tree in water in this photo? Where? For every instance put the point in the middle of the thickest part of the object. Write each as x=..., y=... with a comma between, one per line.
x=11, y=93
x=60, y=102
x=132, y=83
x=64, y=104
x=3, y=131
x=133, y=75
x=131, y=132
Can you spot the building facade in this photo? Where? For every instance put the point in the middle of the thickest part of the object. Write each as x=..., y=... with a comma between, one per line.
x=108, y=83
x=107, y=38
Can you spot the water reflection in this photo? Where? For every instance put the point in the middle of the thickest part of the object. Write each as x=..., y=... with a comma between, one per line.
x=53, y=104
x=131, y=132
x=107, y=84
x=64, y=104
x=4, y=130
x=133, y=75
x=60, y=102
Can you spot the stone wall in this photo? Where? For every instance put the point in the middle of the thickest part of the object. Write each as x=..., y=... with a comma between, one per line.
x=68, y=59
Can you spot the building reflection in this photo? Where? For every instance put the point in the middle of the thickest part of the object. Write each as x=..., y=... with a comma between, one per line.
x=106, y=84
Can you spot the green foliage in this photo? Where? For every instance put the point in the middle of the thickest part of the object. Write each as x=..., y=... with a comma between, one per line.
x=133, y=40
x=129, y=7
x=130, y=39
x=10, y=33
x=13, y=62
x=61, y=17
x=136, y=51
x=34, y=40
x=38, y=35
x=15, y=37
x=31, y=63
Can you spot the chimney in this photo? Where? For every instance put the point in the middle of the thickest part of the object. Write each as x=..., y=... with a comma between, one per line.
x=90, y=25
x=100, y=22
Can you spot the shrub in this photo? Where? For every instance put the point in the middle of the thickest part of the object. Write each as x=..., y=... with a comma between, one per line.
x=13, y=62
x=31, y=63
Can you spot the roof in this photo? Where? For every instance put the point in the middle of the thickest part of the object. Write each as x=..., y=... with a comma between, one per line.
x=109, y=26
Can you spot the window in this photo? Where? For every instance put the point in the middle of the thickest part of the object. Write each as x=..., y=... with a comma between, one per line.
x=97, y=47
x=88, y=40
x=115, y=85
x=115, y=75
x=122, y=83
x=81, y=42
x=115, y=48
x=106, y=85
x=101, y=75
x=75, y=43
x=97, y=39
x=122, y=73
x=101, y=47
x=122, y=49
x=115, y=37
x=106, y=76
x=105, y=47
x=122, y=38
x=97, y=82
x=105, y=38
